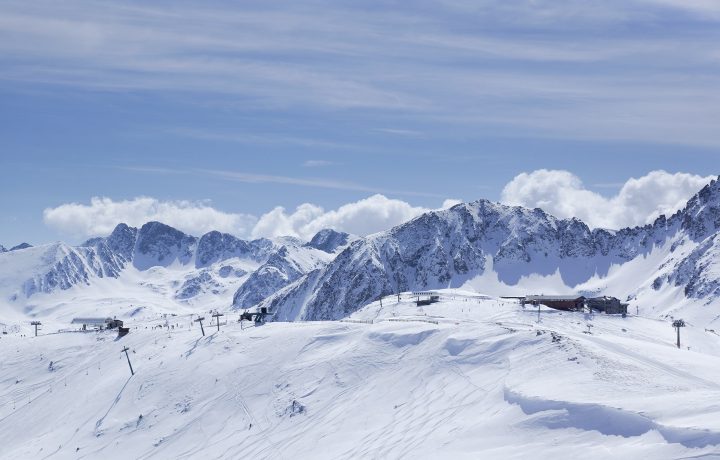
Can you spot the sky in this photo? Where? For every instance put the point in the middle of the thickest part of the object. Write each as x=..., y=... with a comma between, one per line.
x=265, y=118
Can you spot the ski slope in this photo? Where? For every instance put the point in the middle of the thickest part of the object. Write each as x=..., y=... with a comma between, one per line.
x=469, y=377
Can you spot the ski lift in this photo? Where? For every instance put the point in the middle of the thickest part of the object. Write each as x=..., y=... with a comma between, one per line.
x=257, y=316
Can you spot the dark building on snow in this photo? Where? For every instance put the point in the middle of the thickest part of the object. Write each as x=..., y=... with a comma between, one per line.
x=609, y=305
x=558, y=302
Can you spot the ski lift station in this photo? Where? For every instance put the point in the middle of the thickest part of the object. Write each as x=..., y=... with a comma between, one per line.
x=558, y=302
x=257, y=316
x=98, y=323
x=428, y=297
x=607, y=304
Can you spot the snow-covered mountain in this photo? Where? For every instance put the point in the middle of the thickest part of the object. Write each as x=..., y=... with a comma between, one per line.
x=215, y=247
x=485, y=246
x=51, y=267
x=283, y=267
x=161, y=245
x=507, y=250
x=167, y=262
x=471, y=376
x=330, y=240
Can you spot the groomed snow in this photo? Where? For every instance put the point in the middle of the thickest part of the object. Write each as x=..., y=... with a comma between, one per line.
x=469, y=377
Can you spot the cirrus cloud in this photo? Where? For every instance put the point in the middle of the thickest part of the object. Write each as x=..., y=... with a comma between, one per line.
x=639, y=200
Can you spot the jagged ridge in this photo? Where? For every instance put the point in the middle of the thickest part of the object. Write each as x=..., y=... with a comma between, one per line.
x=446, y=248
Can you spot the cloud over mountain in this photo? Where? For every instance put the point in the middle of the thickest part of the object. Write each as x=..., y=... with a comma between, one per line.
x=368, y=215
x=362, y=217
x=561, y=193
x=103, y=214
x=639, y=201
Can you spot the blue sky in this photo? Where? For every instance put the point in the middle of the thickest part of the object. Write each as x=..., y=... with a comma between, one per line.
x=245, y=106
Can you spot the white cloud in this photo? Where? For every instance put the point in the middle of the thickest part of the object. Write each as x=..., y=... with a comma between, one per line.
x=369, y=215
x=103, y=214
x=639, y=201
x=561, y=193
x=279, y=223
x=449, y=203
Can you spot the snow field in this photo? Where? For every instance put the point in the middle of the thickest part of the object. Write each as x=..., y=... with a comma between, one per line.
x=468, y=377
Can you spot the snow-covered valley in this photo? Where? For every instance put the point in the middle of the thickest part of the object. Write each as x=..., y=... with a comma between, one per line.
x=471, y=376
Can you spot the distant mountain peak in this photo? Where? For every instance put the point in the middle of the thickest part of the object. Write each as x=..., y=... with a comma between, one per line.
x=216, y=246
x=158, y=244
x=701, y=215
x=288, y=263
x=21, y=246
x=329, y=240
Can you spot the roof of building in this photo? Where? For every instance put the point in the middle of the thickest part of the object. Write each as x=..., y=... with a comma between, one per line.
x=91, y=320
x=554, y=297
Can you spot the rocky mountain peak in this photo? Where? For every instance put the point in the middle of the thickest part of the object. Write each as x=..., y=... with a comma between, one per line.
x=160, y=244
x=701, y=216
x=216, y=246
x=122, y=240
x=329, y=240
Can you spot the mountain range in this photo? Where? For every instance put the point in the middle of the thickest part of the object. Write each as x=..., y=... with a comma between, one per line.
x=507, y=250
x=170, y=266
x=666, y=266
